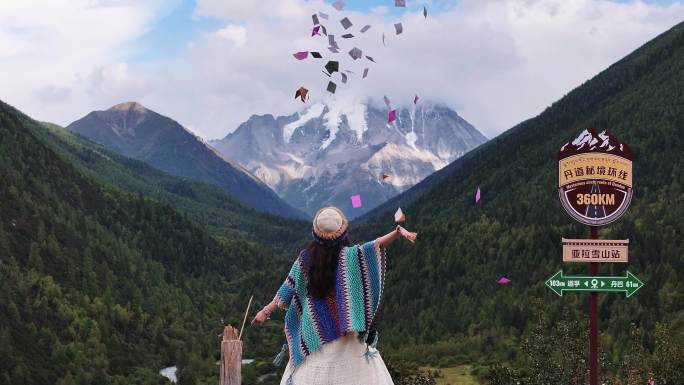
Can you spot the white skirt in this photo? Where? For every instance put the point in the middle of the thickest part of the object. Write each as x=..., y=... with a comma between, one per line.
x=341, y=362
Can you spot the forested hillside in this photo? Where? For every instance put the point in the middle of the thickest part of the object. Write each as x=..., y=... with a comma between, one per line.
x=98, y=285
x=202, y=202
x=447, y=281
x=134, y=131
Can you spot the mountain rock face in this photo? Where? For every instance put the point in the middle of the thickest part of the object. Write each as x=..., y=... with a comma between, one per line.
x=326, y=154
x=136, y=132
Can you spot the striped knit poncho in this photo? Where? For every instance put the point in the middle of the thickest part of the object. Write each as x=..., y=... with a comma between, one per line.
x=312, y=322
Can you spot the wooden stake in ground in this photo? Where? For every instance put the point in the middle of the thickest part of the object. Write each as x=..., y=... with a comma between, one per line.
x=231, y=358
x=231, y=353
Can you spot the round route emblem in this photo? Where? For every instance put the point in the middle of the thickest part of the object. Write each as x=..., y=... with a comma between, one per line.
x=595, y=178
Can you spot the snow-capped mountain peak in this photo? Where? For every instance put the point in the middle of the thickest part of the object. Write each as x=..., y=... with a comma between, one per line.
x=315, y=111
x=328, y=152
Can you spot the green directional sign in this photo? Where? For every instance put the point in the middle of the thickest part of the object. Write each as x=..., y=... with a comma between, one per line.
x=560, y=283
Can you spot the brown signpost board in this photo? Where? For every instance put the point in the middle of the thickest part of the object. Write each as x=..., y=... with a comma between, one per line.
x=595, y=188
x=595, y=250
x=595, y=178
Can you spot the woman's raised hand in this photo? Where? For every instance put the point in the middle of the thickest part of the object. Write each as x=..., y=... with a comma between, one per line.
x=407, y=234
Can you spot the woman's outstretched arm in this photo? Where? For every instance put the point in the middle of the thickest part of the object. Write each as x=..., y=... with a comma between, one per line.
x=388, y=238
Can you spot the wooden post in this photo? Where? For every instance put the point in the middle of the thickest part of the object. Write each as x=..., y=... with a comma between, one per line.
x=231, y=358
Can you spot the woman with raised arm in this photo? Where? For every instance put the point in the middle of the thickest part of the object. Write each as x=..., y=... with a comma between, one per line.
x=332, y=295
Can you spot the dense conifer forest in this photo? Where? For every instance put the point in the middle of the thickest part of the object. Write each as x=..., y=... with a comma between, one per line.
x=447, y=281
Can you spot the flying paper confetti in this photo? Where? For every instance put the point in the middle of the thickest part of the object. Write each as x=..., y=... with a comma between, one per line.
x=332, y=42
x=503, y=281
x=315, y=31
x=365, y=72
x=339, y=5
x=425, y=11
x=370, y=58
x=325, y=31
x=301, y=55
x=331, y=87
x=387, y=101
x=415, y=99
x=355, y=53
x=332, y=66
x=383, y=40
x=399, y=216
x=323, y=15
x=356, y=201
x=334, y=50
x=347, y=36
x=385, y=177
x=316, y=55
x=399, y=3
x=366, y=28
x=302, y=93
x=392, y=116
x=314, y=17
x=346, y=23
x=399, y=28
x=344, y=77
x=478, y=195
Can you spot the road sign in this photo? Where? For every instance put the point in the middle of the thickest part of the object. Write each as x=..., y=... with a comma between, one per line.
x=595, y=250
x=560, y=283
x=595, y=178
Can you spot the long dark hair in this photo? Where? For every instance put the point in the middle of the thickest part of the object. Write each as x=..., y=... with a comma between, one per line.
x=322, y=267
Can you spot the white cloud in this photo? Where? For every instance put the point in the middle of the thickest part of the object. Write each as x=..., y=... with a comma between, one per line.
x=59, y=58
x=250, y=9
x=233, y=33
x=496, y=62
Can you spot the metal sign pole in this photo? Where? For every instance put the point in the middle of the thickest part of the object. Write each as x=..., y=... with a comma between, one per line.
x=593, y=320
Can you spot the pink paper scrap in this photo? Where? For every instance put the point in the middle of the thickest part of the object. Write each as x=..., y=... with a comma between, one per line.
x=356, y=201
x=392, y=116
x=301, y=55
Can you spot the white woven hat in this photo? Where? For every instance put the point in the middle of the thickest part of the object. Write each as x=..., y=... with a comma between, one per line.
x=330, y=223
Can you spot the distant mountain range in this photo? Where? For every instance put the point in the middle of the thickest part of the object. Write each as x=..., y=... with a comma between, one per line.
x=325, y=154
x=137, y=132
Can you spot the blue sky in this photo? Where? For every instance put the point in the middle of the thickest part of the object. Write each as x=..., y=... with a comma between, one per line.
x=495, y=62
x=170, y=33
x=178, y=26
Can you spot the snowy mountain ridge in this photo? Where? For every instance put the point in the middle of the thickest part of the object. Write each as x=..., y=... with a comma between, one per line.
x=326, y=153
